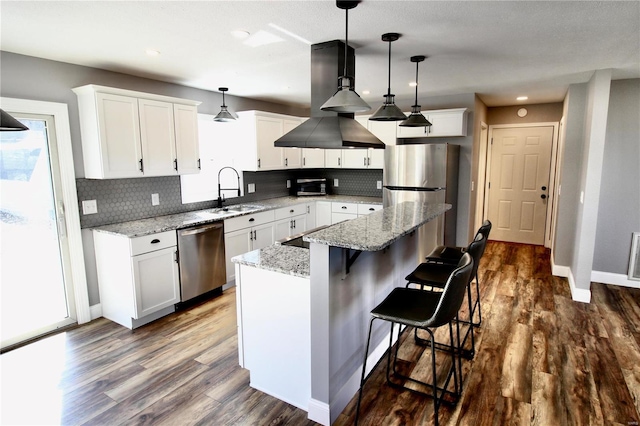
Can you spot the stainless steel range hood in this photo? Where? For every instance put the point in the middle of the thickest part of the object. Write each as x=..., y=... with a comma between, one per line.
x=325, y=129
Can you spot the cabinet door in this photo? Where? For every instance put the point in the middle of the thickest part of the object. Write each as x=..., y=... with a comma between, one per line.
x=354, y=158
x=156, y=282
x=292, y=158
x=376, y=158
x=282, y=228
x=312, y=158
x=269, y=129
x=323, y=213
x=413, y=132
x=311, y=216
x=119, y=129
x=263, y=236
x=333, y=158
x=339, y=217
x=235, y=243
x=451, y=123
x=187, y=144
x=157, y=134
x=299, y=224
x=384, y=130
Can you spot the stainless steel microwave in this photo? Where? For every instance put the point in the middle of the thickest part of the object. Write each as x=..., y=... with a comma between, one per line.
x=311, y=186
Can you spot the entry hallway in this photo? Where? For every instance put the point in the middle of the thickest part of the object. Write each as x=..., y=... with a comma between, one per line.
x=541, y=359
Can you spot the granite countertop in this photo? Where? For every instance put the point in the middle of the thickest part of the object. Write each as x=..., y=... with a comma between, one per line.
x=372, y=232
x=379, y=229
x=137, y=228
x=278, y=258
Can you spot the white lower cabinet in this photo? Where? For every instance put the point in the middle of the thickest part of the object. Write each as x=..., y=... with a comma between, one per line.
x=323, y=213
x=137, y=277
x=348, y=211
x=246, y=233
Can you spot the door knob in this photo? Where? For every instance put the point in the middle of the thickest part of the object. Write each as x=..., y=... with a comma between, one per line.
x=543, y=196
x=544, y=188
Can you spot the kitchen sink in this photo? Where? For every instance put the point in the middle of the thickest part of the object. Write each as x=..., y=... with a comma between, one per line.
x=239, y=209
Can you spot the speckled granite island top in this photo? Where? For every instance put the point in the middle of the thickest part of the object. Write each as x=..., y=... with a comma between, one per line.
x=380, y=229
x=284, y=259
x=137, y=228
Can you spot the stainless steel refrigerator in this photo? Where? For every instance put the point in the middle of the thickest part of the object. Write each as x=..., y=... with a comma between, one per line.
x=427, y=173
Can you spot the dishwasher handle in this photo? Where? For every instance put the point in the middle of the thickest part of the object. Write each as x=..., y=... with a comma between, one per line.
x=201, y=229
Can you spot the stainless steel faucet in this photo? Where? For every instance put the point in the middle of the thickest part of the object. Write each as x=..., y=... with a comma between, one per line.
x=220, y=189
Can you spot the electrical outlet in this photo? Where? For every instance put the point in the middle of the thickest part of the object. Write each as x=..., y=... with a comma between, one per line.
x=89, y=207
x=335, y=182
x=155, y=199
x=581, y=197
x=379, y=184
x=251, y=188
x=288, y=183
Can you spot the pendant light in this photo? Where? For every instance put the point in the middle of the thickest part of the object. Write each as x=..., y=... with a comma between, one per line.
x=389, y=111
x=10, y=124
x=225, y=114
x=416, y=119
x=346, y=99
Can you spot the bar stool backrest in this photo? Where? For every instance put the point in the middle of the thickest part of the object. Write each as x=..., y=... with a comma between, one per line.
x=452, y=294
x=485, y=229
x=476, y=249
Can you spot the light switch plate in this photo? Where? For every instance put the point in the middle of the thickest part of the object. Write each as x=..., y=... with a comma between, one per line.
x=155, y=199
x=89, y=207
x=379, y=184
x=251, y=187
x=335, y=182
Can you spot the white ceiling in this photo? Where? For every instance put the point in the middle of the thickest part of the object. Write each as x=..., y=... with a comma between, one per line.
x=499, y=50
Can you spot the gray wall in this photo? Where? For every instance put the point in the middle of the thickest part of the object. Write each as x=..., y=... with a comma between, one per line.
x=569, y=197
x=536, y=113
x=26, y=77
x=619, y=210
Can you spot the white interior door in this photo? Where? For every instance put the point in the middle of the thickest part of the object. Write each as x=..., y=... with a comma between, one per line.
x=37, y=295
x=519, y=183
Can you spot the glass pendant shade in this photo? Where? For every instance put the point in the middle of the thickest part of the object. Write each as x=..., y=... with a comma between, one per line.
x=345, y=99
x=389, y=111
x=10, y=124
x=224, y=115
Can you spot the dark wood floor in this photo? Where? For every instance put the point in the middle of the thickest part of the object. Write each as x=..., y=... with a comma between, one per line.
x=541, y=359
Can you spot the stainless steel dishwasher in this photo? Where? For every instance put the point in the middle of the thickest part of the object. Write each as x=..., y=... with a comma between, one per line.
x=201, y=259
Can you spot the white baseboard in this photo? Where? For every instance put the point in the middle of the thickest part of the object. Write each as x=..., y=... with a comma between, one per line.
x=95, y=311
x=578, y=294
x=319, y=412
x=615, y=279
x=559, y=270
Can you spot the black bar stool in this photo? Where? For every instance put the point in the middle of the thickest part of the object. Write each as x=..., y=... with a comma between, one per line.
x=424, y=310
x=451, y=255
x=435, y=275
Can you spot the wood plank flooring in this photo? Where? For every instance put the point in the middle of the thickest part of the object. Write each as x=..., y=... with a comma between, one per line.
x=541, y=359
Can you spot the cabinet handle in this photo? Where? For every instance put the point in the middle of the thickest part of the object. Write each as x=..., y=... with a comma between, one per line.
x=291, y=211
x=255, y=235
x=286, y=162
x=176, y=256
x=258, y=163
x=141, y=166
x=294, y=224
x=175, y=164
x=368, y=161
x=344, y=207
x=308, y=210
x=199, y=168
x=371, y=209
x=338, y=160
x=155, y=241
x=252, y=219
x=304, y=161
x=291, y=224
x=365, y=161
x=250, y=235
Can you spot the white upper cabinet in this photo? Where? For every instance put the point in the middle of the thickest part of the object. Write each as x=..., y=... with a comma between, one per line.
x=292, y=156
x=267, y=130
x=133, y=134
x=312, y=158
x=333, y=158
x=444, y=123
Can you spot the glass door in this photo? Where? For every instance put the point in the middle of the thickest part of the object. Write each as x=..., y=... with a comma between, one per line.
x=34, y=257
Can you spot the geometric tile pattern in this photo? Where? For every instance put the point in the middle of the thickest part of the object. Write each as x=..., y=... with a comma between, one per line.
x=122, y=200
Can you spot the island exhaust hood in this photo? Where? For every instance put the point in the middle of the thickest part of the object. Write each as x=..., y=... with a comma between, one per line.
x=326, y=129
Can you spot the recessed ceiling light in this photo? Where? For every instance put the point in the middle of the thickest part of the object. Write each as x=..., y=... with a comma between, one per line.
x=366, y=92
x=240, y=34
x=290, y=34
x=152, y=52
x=413, y=84
x=522, y=98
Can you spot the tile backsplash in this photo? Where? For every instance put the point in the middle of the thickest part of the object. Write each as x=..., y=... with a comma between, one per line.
x=122, y=200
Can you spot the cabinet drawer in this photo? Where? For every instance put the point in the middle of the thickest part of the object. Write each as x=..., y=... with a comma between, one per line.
x=344, y=208
x=248, y=220
x=286, y=212
x=339, y=217
x=368, y=208
x=153, y=242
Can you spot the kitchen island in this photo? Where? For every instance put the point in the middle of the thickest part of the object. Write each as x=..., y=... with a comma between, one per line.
x=303, y=314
